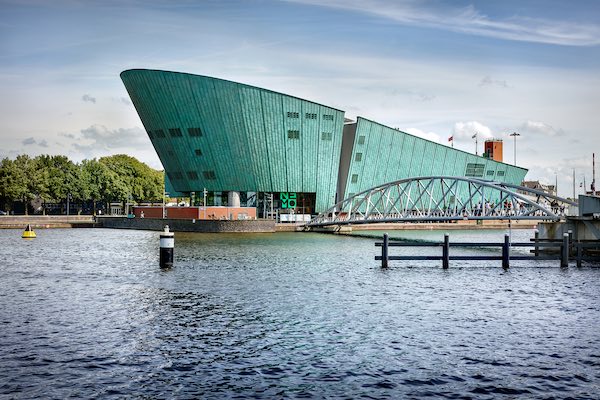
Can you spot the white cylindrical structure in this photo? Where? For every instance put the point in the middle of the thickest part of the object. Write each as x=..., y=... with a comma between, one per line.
x=233, y=199
x=167, y=247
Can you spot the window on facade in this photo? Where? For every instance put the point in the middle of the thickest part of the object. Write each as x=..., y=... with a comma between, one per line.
x=475, y=170
x=175, y=176
x=175, y=132
x=195, y=132
x=325, y=135
x=293, y=114
x=361, y=140
x=354, y=178
x=358, y=157
x=198, y=152
x=171, y=153
x=327, y=117
x=500, y=173
x=192, y=175
x=490, y=173
x=293, y=134
x=159, y=133
x=209, y=175
x=311, y=116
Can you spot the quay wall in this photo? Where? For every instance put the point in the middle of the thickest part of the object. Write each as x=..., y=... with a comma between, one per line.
x=47, y=221
x=181, y=225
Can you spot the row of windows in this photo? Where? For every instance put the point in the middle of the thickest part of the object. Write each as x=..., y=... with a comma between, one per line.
x=295, y=114
x=475, y=170
x=358, y=157
x=193, y=175
x=295, y=134
x=174, y=132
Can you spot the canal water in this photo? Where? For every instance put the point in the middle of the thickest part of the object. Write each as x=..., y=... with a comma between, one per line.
x=87, y=313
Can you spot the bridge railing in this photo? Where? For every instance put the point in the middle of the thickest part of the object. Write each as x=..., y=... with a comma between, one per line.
x=440, y=198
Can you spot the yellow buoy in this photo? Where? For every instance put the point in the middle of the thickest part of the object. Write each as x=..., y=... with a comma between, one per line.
x=28, y=233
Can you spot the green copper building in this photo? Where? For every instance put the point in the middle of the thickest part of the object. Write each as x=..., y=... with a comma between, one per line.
x=245, y=143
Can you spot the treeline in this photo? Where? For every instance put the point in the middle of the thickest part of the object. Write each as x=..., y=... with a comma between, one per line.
x=53, y=179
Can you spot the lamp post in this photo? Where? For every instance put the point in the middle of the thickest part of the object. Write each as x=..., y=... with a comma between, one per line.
x=204, y=192
x=514, y=135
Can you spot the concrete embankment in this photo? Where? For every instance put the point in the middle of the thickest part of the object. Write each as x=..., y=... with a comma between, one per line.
x=447, y=226
x=184, y=225
x=47, y=221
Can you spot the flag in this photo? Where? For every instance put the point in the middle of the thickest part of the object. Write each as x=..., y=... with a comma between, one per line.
x=451, y=138
x=474, y=136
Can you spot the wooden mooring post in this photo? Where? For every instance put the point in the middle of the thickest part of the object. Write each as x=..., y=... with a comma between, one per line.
x=446, y=252
x=564, y=250
x=560, y=250
x=506, y=252
x=384, y=251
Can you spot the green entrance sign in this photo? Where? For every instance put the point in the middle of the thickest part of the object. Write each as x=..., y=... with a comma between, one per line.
x=288, y=199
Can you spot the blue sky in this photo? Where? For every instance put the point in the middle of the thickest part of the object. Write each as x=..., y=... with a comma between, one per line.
x=431, y=68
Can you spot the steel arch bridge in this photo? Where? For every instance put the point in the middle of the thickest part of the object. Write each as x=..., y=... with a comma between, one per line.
x=443, y=198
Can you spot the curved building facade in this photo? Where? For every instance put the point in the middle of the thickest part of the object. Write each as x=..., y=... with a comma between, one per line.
x=224, y=136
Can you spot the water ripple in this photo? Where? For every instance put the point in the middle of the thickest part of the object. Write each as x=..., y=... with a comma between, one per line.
x=285, y=316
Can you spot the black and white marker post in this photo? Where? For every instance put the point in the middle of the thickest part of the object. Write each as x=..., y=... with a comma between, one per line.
x=167, y=245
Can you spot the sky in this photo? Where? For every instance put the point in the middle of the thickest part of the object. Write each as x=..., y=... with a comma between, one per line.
x=432, y=68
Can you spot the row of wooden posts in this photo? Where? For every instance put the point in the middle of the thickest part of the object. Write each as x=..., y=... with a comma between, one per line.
x=566, y=246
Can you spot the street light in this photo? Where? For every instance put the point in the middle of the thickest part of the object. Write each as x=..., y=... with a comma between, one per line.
x=515, y=134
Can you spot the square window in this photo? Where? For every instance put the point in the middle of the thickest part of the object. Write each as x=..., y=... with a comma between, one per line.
x=195, y=132
x=193, y=175
x=354, y=178
x=198, y=152
x=325, y=135
x=209, y=175
x=361, y=140
x=175, y=132
x=358, y=157
x=159, y=133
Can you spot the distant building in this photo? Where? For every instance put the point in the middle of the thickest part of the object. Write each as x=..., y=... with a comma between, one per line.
x=248, y=145
x=536, y=185
x=493, y=149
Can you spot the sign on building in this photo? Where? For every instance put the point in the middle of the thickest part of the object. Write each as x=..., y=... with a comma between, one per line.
x=288, y=199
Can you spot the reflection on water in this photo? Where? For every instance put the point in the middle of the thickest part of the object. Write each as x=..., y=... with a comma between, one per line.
x=88, y=313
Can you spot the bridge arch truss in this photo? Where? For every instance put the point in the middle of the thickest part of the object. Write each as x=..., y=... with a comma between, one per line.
x=443, y=198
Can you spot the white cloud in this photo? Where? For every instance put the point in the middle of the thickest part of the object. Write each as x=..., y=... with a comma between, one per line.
x=88, y=99
x=469, y=20
x=434, y=137
x=99, y=137
x=29, y=141
x=466, y=130
x=538, y=127
x=488, y=81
